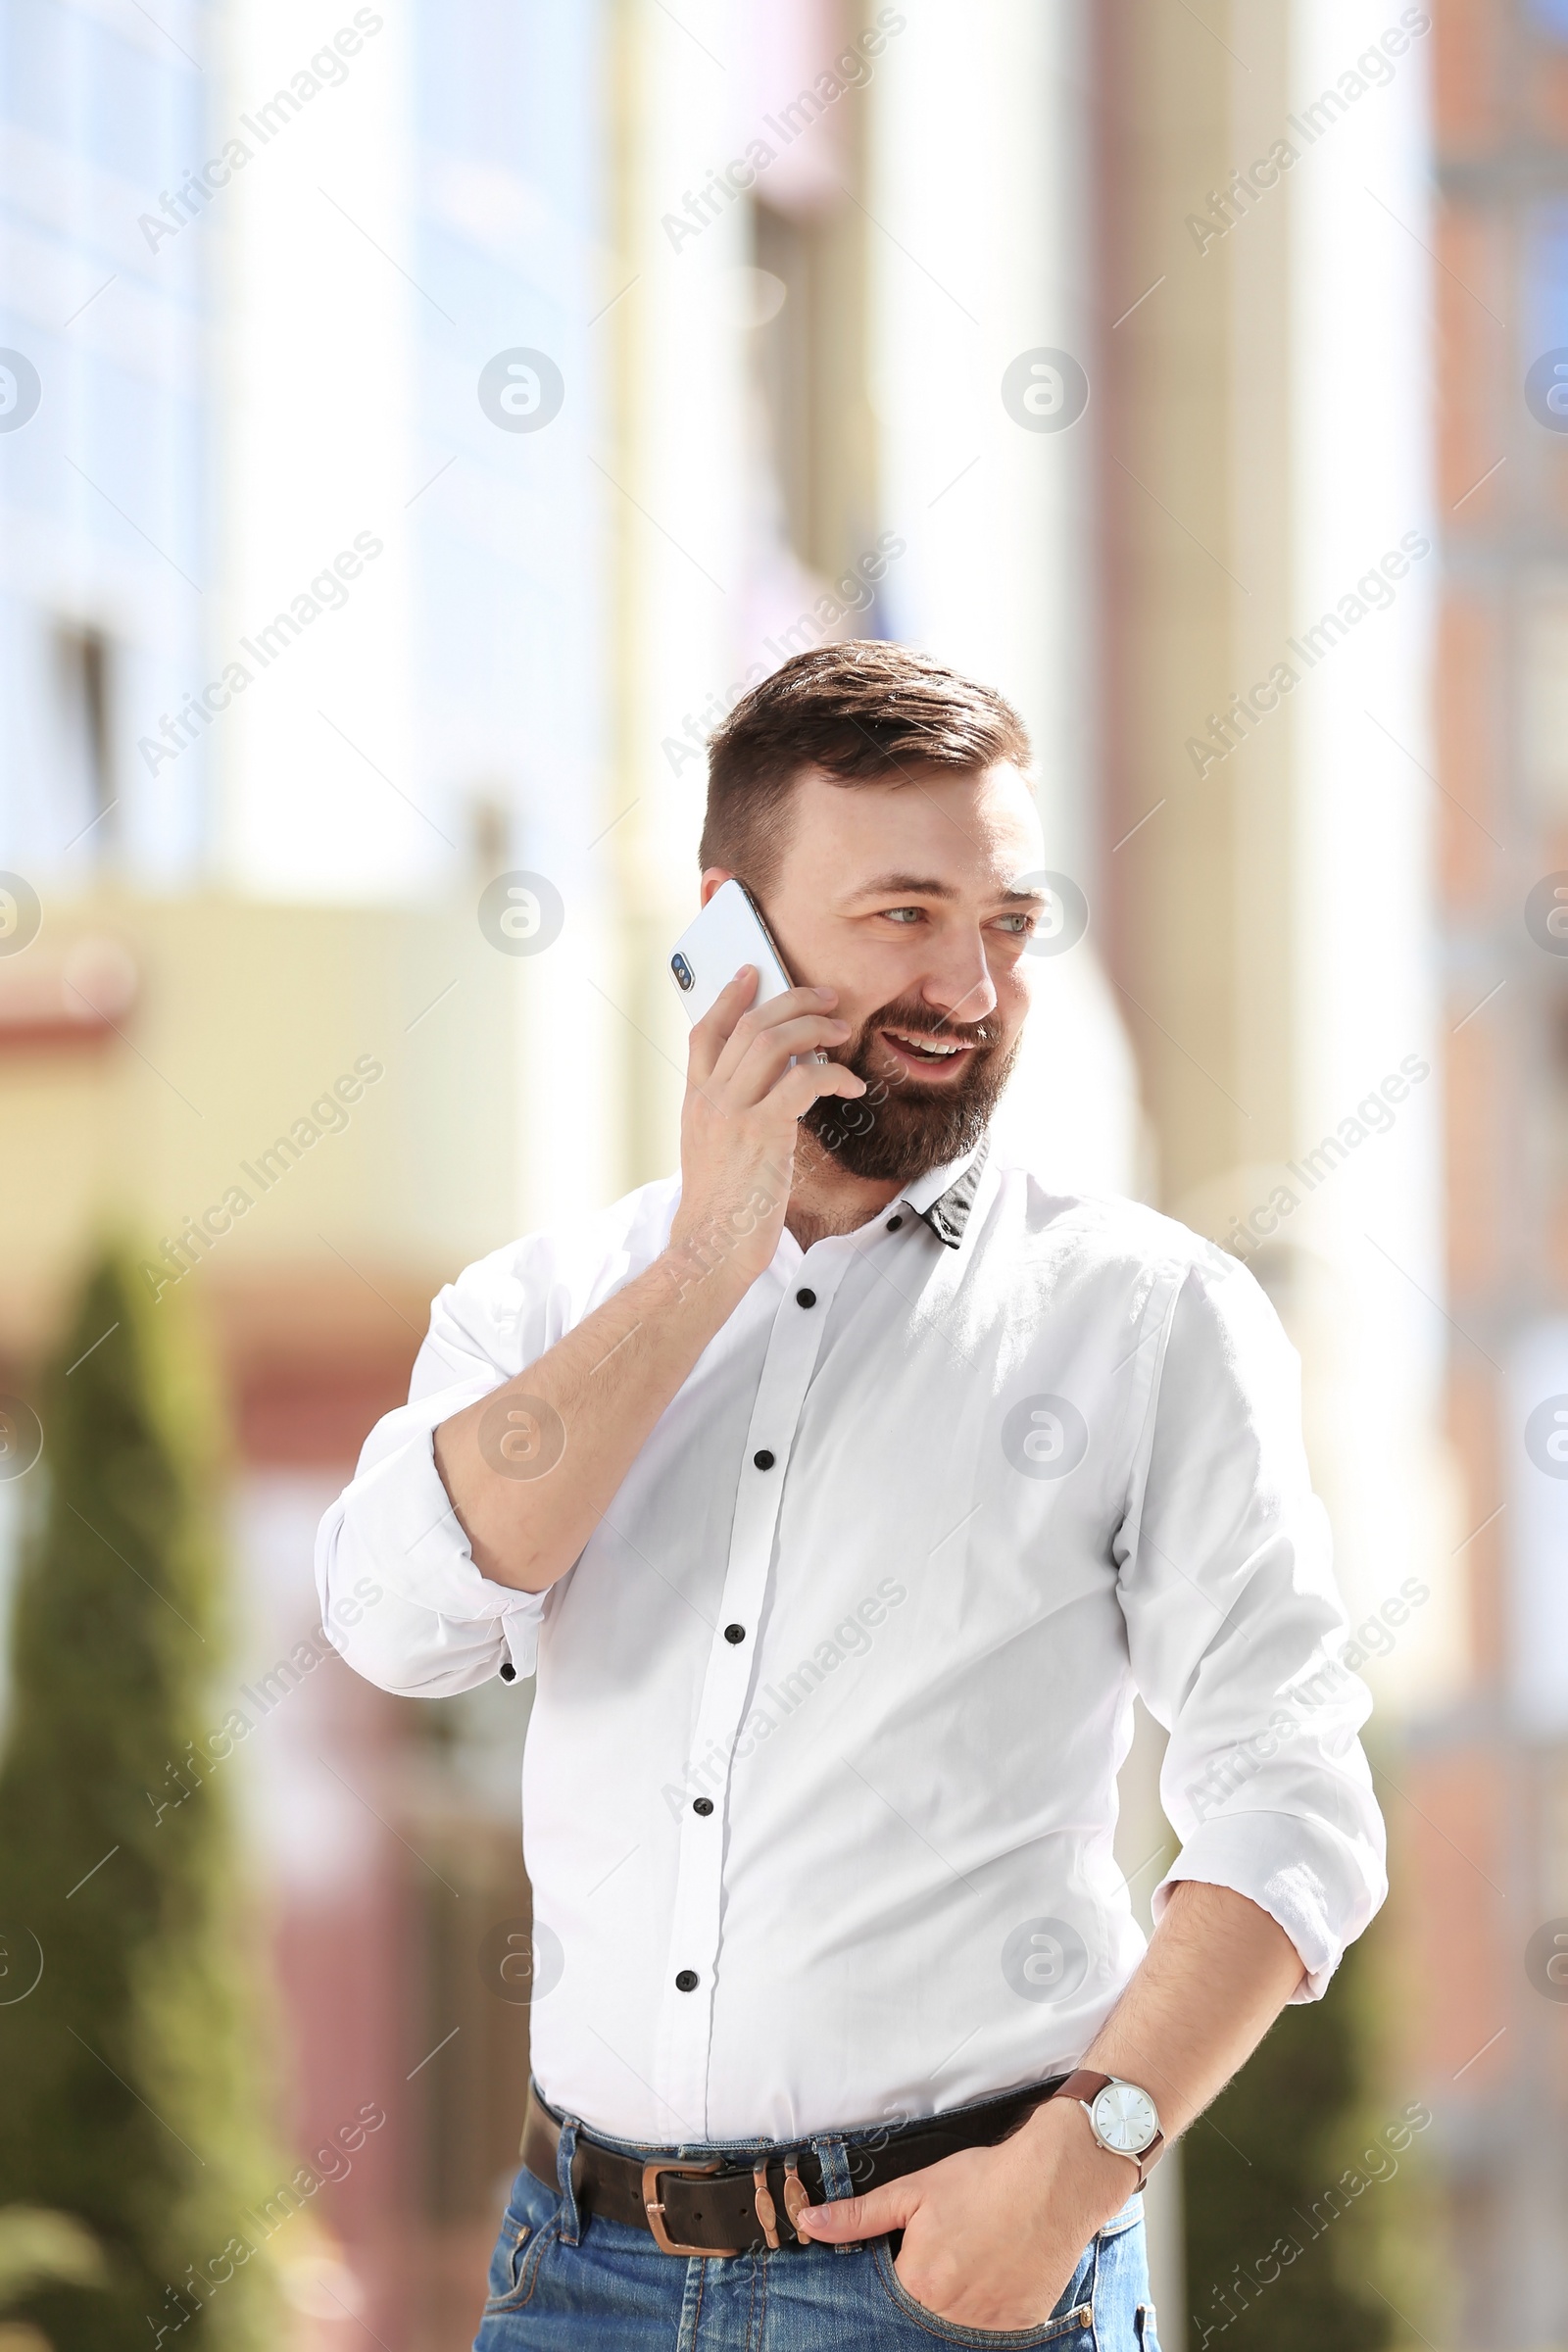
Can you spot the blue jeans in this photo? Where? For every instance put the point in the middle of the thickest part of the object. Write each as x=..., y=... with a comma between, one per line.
x=562, y=2281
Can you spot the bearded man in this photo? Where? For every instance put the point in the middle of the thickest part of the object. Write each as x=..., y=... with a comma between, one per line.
x=840, y=1492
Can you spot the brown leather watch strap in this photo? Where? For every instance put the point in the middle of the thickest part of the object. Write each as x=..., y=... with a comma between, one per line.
x=1085, y=2085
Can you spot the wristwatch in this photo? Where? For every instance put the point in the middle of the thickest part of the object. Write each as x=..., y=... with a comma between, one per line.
x=1122, y=2117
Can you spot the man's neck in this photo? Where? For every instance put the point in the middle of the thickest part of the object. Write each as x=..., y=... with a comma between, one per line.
x=824, y=1199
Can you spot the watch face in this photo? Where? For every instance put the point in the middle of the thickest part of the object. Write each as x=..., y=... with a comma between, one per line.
x=1125, y=2118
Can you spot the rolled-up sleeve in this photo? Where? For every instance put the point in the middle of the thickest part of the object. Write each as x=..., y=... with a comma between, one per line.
x=1236, y=1629
x=402, y=1600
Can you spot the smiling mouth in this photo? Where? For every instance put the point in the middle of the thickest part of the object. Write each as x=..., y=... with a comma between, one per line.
x=928, y=1053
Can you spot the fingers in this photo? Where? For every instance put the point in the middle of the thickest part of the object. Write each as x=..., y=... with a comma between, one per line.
x=808, y=1081
x=710, y=1034
x=764, y=1058
x=871, y=2215
x=762, y=1020
x=741, y=1051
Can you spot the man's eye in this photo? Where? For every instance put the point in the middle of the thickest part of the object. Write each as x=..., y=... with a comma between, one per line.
x=904, y=914
x=1021, y=923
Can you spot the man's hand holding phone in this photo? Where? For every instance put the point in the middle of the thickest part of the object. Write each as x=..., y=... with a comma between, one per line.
x=739, y=1122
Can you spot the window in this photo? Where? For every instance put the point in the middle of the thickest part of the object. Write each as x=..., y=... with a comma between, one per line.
x=1550, y=18
x=1544, y=697
x=83, y=789
x=786, y=356
x=1534, y=1402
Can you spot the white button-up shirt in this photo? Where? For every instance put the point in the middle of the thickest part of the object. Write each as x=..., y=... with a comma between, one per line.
x=819, y=1783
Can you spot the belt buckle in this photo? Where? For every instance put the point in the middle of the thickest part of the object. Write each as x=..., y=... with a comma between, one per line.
x=653, y=2204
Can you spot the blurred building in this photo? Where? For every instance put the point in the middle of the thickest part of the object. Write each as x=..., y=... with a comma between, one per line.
x=1493, y=1768
x=441, y=417
x=276, y=722
x=1268, y=574
x=1269, y=566
x=532, y=382
x=105, y=442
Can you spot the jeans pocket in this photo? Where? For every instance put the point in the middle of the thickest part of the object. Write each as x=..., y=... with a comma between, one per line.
x=1146, y=2337
x=1069, y=2329
x=528, y=2226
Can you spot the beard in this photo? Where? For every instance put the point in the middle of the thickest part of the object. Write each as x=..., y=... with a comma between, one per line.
x=901, y=1129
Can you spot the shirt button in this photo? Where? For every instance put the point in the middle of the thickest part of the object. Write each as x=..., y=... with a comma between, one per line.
x=894, y=1223
x=805, y=1298
x=703, y=1805
x=734, y=1632
x=763, y=1461
x=686, y=1982
x=508, y=1672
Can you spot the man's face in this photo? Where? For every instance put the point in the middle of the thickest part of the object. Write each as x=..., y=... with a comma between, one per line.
x=908, y=900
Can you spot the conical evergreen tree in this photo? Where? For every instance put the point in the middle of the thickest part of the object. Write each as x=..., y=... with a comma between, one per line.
x=126, y=2071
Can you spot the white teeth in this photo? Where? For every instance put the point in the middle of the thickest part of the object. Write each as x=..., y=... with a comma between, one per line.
x=930, y=1047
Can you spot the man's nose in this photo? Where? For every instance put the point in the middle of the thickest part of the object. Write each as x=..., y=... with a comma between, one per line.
x=963, y=989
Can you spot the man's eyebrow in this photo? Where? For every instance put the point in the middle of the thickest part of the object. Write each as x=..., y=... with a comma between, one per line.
x=914, y=886
x=926, y=886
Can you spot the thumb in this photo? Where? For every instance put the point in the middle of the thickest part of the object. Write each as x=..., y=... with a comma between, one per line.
x=872, y=2216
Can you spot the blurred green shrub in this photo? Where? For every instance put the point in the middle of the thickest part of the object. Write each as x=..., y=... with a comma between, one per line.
x=1305, y=2185
x=38, y=2246
x=127, y=2066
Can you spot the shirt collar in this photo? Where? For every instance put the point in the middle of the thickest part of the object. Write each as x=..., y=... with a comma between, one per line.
x=944, y=1198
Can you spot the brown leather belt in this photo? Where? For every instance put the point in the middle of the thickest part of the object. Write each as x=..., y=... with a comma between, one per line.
x=731, y=2205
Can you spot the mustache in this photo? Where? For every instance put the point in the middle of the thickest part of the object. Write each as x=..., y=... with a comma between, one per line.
x=905, y=1124
x=922, y=1021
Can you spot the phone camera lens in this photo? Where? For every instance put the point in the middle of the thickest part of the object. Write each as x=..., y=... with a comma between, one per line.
x=682, y=971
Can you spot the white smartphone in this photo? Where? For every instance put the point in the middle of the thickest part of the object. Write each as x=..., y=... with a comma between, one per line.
x=728, y=932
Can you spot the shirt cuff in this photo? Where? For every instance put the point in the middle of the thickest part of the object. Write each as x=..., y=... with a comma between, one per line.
x=433, y=1568
x=1321, y=1897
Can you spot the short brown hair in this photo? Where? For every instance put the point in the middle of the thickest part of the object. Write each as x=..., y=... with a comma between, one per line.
x=864, y=712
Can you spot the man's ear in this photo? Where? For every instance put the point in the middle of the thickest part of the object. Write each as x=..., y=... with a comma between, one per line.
x=714, y=878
